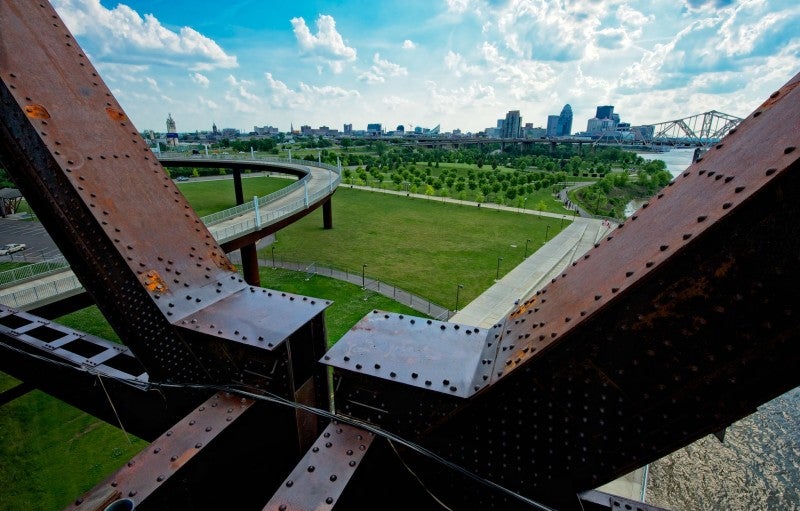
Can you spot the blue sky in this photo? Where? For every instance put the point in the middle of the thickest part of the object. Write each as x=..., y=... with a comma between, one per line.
x=458, y=63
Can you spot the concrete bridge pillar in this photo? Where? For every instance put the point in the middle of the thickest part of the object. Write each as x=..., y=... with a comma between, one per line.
x=248, y=253
x=327, y=214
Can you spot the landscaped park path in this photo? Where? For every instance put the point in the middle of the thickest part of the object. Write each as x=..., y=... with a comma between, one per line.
x=534, y=272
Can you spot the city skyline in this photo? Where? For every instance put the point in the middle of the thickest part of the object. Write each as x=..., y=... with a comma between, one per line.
x=460, y=64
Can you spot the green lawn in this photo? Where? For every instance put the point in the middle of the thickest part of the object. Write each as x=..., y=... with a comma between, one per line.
x=208, y=197
x=350, y=302
x=424, y=246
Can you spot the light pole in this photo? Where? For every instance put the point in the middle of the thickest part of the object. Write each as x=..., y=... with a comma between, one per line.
x=547, y=231
x=363, y=276
x=458, y=288
x=526, y=248
x=497, y=275
x=273, y=256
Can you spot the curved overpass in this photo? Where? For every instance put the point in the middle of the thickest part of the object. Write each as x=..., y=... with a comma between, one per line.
x=234, y=228
x=245, y=224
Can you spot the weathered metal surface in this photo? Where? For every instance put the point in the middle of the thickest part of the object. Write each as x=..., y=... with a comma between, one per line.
x=594, y=499
x=431, y=355
x=128, y=233
x=324, y=472
x=167, y=455
x=668, y=330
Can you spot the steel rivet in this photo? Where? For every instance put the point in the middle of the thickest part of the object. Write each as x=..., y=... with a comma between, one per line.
x=329, y=500
x=332, y=478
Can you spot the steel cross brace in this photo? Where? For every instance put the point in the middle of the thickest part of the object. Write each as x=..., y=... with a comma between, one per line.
x=166, y=456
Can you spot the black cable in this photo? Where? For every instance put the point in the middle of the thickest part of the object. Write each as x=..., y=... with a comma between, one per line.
x=269, y=397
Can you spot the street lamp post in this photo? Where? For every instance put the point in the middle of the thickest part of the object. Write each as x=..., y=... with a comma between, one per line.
x=526, y=248
x=497, y=275
x=273, y=256
x=363, y=276
x=458, y=288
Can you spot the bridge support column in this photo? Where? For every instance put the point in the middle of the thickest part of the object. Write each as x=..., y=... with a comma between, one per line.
x=237, y=186
x=327, y=214
x=250, y=264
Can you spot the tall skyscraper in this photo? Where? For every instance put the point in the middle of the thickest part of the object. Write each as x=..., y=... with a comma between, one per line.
x=565, y=121
x=512, y=127
x=605, y=112
x=552, y=125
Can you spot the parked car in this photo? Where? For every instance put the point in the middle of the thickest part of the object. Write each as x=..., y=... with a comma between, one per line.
x=11, y=248
x=182, y=178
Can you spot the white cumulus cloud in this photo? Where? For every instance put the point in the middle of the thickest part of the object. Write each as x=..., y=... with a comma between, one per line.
x=200, y=79
x=381, y=69
x=122, y=35
x=328, y=45
x=408, y=44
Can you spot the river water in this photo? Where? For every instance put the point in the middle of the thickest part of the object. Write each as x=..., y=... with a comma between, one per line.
x=756, y=467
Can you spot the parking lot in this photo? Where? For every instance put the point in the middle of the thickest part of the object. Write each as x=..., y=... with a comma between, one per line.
x=39, y=245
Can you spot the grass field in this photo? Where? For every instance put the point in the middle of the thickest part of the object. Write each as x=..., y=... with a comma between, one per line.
x=424, y=246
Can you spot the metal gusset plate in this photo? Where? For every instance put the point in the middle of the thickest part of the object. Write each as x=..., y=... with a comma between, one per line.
x=431, y=355
x=597, y=500
x=322, y=475
x=162, y=459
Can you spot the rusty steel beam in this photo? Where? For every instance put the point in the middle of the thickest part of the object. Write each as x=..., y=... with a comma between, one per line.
x=669, y=329
x=324, y=472
x=129, y=235
x=164, y=284
x=166, y=456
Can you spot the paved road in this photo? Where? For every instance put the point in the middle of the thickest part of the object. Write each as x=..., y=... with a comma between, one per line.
x=40, y=246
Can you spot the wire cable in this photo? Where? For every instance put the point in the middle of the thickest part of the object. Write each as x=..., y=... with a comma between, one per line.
x=261, y=395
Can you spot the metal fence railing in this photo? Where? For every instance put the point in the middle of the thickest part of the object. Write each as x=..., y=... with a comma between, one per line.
x=33, y=271
x=40, y=293
x=369, y=284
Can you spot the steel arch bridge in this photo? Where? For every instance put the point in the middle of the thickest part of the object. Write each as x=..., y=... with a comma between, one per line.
x=700, y=130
